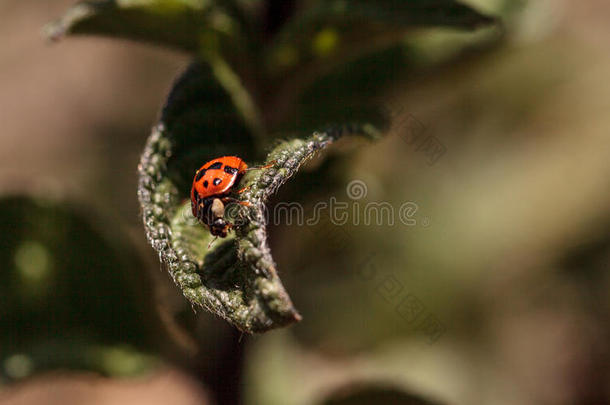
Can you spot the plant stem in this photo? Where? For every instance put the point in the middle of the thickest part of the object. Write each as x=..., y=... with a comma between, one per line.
x=224, y=380
x=277, y=13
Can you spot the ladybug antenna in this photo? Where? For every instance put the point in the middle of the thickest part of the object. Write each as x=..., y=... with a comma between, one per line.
x=212, y=241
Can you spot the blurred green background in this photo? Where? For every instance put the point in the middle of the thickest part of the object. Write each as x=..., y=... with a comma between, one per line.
x=497, y=295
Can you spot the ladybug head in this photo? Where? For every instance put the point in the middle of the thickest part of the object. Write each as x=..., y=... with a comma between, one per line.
x=215, y=219
x=211, y=212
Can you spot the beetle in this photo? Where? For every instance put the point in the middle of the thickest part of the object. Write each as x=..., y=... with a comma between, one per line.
x=212, y=184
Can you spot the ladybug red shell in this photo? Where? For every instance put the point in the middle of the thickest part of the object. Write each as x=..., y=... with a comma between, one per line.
x=217, y=176
x=211, y=186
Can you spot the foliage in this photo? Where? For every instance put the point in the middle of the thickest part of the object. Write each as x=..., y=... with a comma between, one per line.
x=319, y=71
x=68, y=296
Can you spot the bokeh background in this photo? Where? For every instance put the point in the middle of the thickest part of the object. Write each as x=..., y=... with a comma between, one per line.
x=496, y=295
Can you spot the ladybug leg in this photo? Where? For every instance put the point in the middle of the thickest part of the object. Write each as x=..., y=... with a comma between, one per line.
x=268, y=165
x=200, y=210
x=241, y=190
x=229, y=226
x=235, y=200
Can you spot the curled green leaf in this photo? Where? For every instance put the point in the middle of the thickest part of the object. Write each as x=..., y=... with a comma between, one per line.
x=236, y=278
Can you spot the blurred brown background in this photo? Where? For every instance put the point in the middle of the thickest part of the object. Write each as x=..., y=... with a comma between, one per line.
x=76, y=113
x=513, y=265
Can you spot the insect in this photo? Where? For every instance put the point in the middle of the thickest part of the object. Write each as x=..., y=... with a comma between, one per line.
x=212, y=185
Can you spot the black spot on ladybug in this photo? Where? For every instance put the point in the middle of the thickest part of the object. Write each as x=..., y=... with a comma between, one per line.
x=230, y=170
x=200, y=174
x=216, y=165
x=217, y=181
x=206, y=184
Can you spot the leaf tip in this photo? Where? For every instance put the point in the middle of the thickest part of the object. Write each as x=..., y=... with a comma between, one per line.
x=56, y=30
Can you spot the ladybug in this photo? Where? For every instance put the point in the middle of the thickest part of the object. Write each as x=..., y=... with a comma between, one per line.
x=212, y=185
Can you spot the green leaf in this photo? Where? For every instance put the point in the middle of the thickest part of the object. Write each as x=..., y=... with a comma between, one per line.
x=70, y=295
x=192, y=25
x=360, y=393
x=348, y=51
x=236, y=277
x=328, y=29
x=351, y=91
